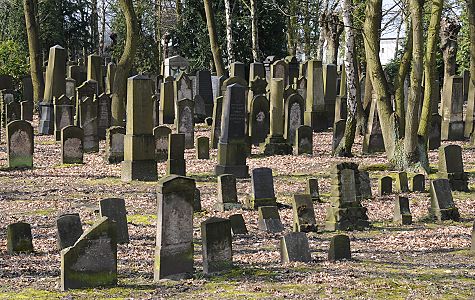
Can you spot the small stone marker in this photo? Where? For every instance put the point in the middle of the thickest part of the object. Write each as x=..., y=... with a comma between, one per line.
x=176, y=154
x=451, y=167
x=114, y=209
x=338, y=133
x=418, y=183
x=294, y=247
x=69, y=230
x=227, y=193
x=262, y=189
x=339, y=248
x=385, y=185
x=303, y=140
x=401, y=182
x=442, y=204
x=303, y=214
x=19, y=238
x=402, y=212
x=92, y=261
x=115, y=144
x=365, y=185
x=20, y=144
x=184, y=121
x=161, y=134
x=217, y=245
x=197, y=200
x=72, y=145
x=202, y=147
x=238, y=226
x=269, y=219
x=312, y=189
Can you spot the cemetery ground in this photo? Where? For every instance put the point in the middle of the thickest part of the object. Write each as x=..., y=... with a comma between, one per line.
x=425, y=260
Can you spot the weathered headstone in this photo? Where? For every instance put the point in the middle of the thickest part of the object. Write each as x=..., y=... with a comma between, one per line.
x=114, y=209
x=442, y=204
x=365, y=185
x=72, y=145
x=104, y=115
x=338, y=133
x=216, y=126
x=268, y=62
x=294, y=247
x=418, y=183
x=293, y=68
x=301, y=87
x=312, y=189
x=88, y=122
x=339, y=248
x=303, y=214
x=294, y=115
x=26, y=110
x=184, y=121
x=280, y=69
x=19, y=238
x=202, y=147
x=238, y=226
x=20, y=144
x=434, y=131
x=303, y=140
x=161, y=134
x=402, y=212
x=197, y=200
x=385, y=185
x=262, y=189
x=402, y=185
x=315, y=103
x=95, y=71
x=451, y=167
x=63, y=114
x=12, y=109
x=176, y=154
x=452, y=110
x=256, y=69
x=373, y=139
x=269, y=219
x=167, y=105
x=217, y=245
x=259, y=120
x=237, y=69
x=110, y=75
x=69, y=230
x=115, y=144
x=174, y=241
x=174, y=65
x=204, y=88
x=227, y=194
x=92, y=261
x=329, y=86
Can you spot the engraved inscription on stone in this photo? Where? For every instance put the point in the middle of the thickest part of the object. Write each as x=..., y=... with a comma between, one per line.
x=177, y=209
x=295, y=120
x=100, y=257
x=73, y=147
x=117, y=144
x=347, y=181
x=20, y=144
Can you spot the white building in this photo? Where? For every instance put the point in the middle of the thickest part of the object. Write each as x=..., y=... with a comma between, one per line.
x=387, y=50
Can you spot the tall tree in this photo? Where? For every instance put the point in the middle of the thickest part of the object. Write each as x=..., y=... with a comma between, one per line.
x=471, y=102
x=213, y=39
x=229, y=32
x=29, y=8
x=124, y=66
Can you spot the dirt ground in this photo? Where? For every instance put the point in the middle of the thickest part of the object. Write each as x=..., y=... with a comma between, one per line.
x=421, y=261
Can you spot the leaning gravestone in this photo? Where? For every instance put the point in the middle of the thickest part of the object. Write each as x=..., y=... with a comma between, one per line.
x=216, y=126
x=202, y=147
x=19, y=238
x=385, y=185
x=259, y=121
x=303, y=140
x=339, y=248
x=217, y=245
x=114, y=209
x=373, y=139
x=303, y=214
x=184, y=121
x=402, y=212
x=104, y=115
x=227, y=193
x=176, y=154
x=451, y=167
x=115, y=144
x=338, y=133
x=69, y=230
x=92, y=261
x=161, y=134
x=294, y=247
x=174, y=241
x=238, y=226
x=442, y=204
x=262, y=189
x=63, y=114
x=88, y=122
x=312, y=189
x=269, y=219
x=20, y=144
x=72, y=145
x=418, y=183
x=294, y=114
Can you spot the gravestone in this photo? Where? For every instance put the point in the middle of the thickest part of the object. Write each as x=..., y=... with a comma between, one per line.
x=303, y=140
x=20, y=144
x=88, y=122
x=346, y=211
x=402, y=185
x=69, y=229
x=238, y=226
x=341, y=110
x=418, y=183
x=12, y=109
x=294, y=114
x=161, y=134
x=26, y=110
x=183, y=87
x=217, y=245
x=174, y=239
x=269, y=219
x=365, y=185
x=104, y=115
x=55, y=86
x=227, y=194
x=257, y=87
x=303, y=214
x=442, y=204
x=312, y=189
x=197, y=200
x=92, y=261
x=451, y=167
x=472, y=248
x=72, y=145
x=232, y=144
x=110, y=75
x=301, y=87
x=167, y=104
x=176, y=154
x=115, y=144
x=184, y=121
x=209, y=121
x=402, y=212
x=293, y=68
x=202, y=147
x=338, y=133
x=373, y=139
x=339, y=248
x=303, y=69
x=470, y=112
x=156, y=109
x=63, y=114
x=452, y=128
x=200, y=114
x=231, y=81
x=204, y=88
x=280, y=69
x=259, y=120
x=275, y=143
x=268, y=62
x=262, y=183
x=237, y=69
x=315, y=116
x=256, y=69
x=86, y=90
x=329, y=87
x=139, y=144
x=434, y=131
x=114, y=209
x=19, y=238
x=218, y=86
x=385, y=185
x=71, y=89
x=174, y=65
x=294, y=247
x=95, y=71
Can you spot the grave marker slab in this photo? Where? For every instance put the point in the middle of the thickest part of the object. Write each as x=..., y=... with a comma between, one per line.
x=161, y=134
x=69, y=229
x=63, y=114
x=72, y=145
x=303, y=140
x=115, y=144
x=238, y=226
x=176, y=154
x=217, y=245
x=442, y=204
x=294, y=247
x=312, y=189
x=227, y=193
x=20, y=144
x=385, y=185
x=402, y=212
x=19, y=238
x=269, y=219
x=451, y=167
x=184, y=121
x=262, y=189
x=202, y=147
x=339, y=248
x=418, y=183
x=303, y=214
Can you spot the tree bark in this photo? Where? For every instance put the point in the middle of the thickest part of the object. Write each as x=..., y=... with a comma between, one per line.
x=119, y=94
x=213, y=39
x=254, y=31
x=29, y=9
x=471, y=102
x=229, y=32
x=292, y=28
x=332, y=30
x=95, y=26
x=321, y=36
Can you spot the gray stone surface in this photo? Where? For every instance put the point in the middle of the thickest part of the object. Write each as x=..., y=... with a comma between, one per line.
x=114, y=209
x=217, y=245
x=69, y=229
x=294, y=248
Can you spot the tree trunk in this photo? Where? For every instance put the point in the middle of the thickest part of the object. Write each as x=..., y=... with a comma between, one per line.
x=229, y=32
x=158, y=32
x=254, y=32
x=471, y=102
x=346, y=143
x=213, y=39
x=29, y=8
x=95, y=26
x=321, y=36
x=332, y=30
x=292, y=29
x=119, y=94
x=306, y=29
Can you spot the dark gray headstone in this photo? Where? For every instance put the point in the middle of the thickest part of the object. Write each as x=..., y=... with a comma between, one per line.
x=238, y=226
x=176, y=154
x=104, y=115
x=115, y=144
x=402, y=212
x=312, y=189
x=114, y=209
x=202, y=147
x=418, y=183
x=269, y=219
x=19, y=238
x=294, y=247
x=303, y=214
x=227, y=193
x=385, y=185
x=442, y=204
x=217, y=245
x=262, y=188
x=339, y=248
x=161, y=134
x=303, y=140
x=69, y=230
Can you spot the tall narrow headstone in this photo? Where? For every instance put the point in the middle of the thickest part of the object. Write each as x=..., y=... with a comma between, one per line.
x=452, y=110
x=184, y=121
x=94, y=71
x=204, y=88
x=114, y=209
x=315, y=103
x=161, y=134
x=167, y=105
x=104, y=115
x=470, y=112
x=451, y=167
x=202, y=147
x=88, y=122
x=262, y=189
x=176, y=154
x=216, y=126
x=259, y=120
x=63, y=114
x=312, y=189
x=329, y=75
x=115, y=144
x=227, y=194
x=402, y=212
x=294, y=116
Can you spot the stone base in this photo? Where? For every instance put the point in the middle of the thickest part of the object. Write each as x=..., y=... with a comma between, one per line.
x=276, y=146
x=403, y=219
x=176, y=166
x=142, y=170
x=173, y=262
x=237, y=171
x=227, y=206
x=350, y=218
x=115, y=158
x=270, y=225
x=46, y=125
x=444, y=214
x=251, y=203
x=305, y=228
